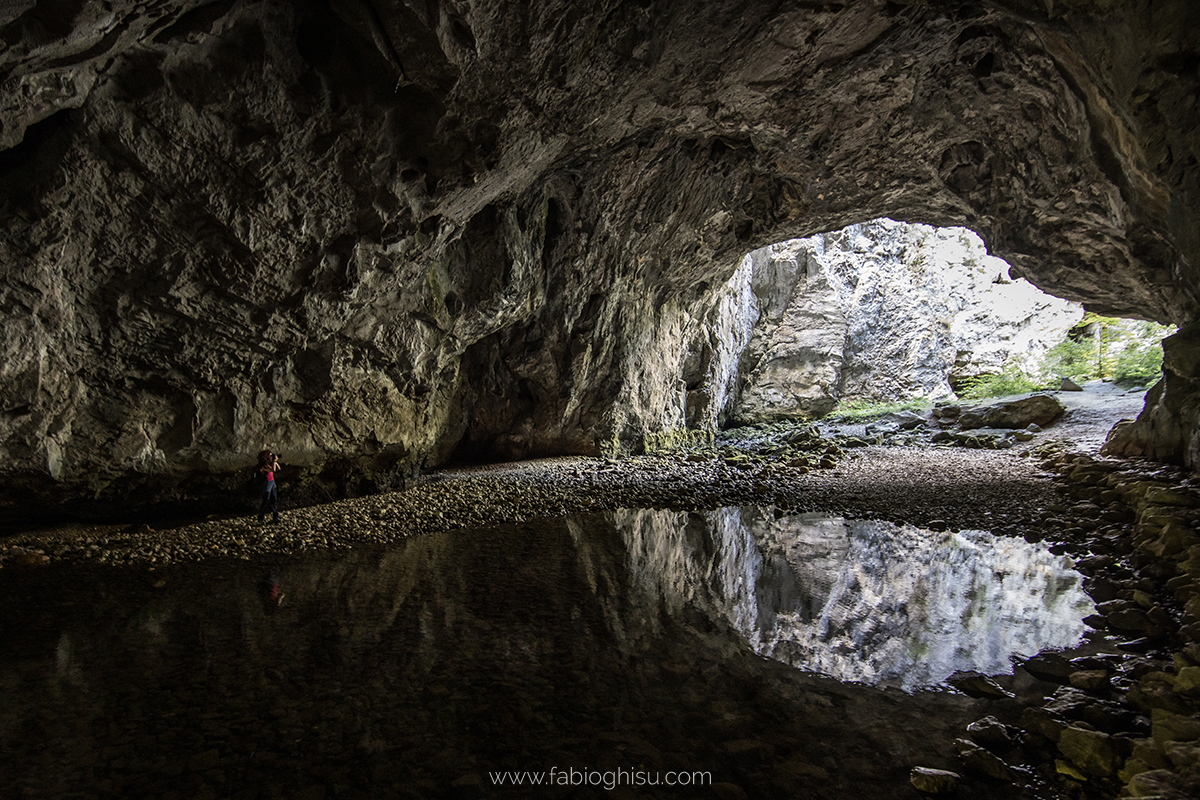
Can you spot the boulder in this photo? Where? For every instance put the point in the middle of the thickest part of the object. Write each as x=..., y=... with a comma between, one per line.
x=933, y=781
x=1092, y=751
x=983, y=762
x=1171, y=727
x=1038, y=409
x=991, y=733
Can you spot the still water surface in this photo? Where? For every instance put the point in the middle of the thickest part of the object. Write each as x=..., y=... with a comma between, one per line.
x=775, y=656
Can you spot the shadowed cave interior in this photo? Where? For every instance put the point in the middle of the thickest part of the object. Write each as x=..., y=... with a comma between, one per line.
x=464, y=264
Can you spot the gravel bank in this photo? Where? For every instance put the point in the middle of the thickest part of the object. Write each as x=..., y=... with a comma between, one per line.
x=1005, y=492
x=997, y=491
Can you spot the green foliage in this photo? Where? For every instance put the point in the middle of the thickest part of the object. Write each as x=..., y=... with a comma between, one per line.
x=1070, y=358
x=1129, y=352
x=1011, y=379
x=1139, y=362
x=862, y=410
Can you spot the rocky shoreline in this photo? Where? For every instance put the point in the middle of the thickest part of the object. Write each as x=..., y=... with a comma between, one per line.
x=1119, y=718
x=954, y=487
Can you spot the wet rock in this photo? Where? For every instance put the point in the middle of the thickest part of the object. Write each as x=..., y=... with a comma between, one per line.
x=978, y=760
x=1187, y=682
x=1154, y=783
x=1130, y=620
x=1156, y=691
x=1050, y=667
x=1143, y=598
x=1073, y=705
x=1140, y=645
x=1162, y=496
x=1101, y=589
x=974, y=684
x=1171, y=727
x=1146, y=751
x=1043, y=722
x=991, y=733
x=1174, y=538
x=1092, y=751
x=1069, y=770
x=1090, y=680
x=1132, y=767
x=933, y=781
x=1184, y=756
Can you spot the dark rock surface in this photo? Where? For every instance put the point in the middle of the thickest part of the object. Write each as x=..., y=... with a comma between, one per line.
x=381, y=236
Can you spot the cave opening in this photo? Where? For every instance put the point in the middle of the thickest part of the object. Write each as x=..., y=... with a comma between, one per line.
x=885, y=312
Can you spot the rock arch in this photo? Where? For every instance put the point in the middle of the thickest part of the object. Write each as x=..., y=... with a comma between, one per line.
x=506, y=227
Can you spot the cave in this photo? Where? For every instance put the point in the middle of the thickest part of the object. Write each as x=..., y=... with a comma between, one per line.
x=420, y=244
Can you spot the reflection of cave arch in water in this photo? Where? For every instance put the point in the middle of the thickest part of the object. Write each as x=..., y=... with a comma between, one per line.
x=858, y=600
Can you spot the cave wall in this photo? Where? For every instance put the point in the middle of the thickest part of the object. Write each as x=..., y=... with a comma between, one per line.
x=381, y=235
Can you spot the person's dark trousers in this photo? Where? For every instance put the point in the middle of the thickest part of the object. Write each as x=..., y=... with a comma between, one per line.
x=270, y=500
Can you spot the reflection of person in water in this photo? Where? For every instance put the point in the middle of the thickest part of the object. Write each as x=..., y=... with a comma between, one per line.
x=272, y=595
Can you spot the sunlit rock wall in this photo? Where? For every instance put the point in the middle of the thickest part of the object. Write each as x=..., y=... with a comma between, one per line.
x=885, y=311
x=381, y=236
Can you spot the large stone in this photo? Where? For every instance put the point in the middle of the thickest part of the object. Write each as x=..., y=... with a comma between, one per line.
x=1049, y=667
x=1187, y=682
x=1043, y=722
x=792, y=364
x=1156, y=783
x=1091, y=751
x=1168, y=429
x=1172, y=727
x=933, y=781
x=1039, y=409
x=991, y=733
x=983, y=762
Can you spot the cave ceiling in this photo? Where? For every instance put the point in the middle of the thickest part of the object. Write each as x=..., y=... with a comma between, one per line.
x=377, y=232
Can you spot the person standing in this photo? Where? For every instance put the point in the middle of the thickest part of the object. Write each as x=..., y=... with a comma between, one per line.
x=268, y=465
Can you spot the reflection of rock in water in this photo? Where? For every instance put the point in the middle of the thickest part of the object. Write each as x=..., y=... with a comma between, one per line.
x=434, y=661
x=861, y=600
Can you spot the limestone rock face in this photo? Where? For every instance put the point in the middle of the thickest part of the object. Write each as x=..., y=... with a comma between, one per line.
x=792, y=364
x=884, y=311
x=380, y=236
